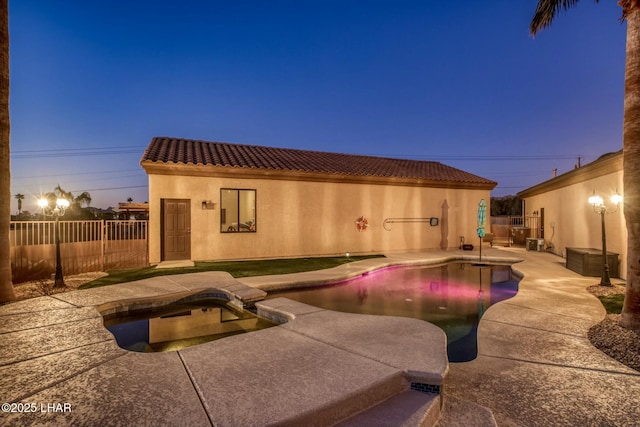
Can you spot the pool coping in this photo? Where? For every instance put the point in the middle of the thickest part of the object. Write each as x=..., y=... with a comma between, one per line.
x=362, y=267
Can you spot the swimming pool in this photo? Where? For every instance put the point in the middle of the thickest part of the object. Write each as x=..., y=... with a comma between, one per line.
x=453, y=296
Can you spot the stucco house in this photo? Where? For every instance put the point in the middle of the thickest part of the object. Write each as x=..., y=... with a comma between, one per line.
x=566, y=217
x=221, y=201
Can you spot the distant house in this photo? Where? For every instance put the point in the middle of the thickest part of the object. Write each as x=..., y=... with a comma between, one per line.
x=220, y=201
x=566, y=217
x=131, y=210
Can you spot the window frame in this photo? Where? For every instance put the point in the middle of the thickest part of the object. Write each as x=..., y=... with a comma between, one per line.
x=224, y=216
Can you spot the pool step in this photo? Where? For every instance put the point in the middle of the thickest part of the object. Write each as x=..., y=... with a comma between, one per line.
x=350, y=405
x=321, y=368
x=407, y=409
x=421, y=365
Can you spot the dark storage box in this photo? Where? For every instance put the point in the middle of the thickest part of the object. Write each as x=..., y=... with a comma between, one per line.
x=588, y=261
x=520, y=235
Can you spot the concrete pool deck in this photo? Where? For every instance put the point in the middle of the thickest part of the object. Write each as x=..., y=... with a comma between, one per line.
x=535, y=364
x=535, y=367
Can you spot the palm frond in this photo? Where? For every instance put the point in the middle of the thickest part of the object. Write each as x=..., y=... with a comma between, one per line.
x=627, y=6
x=547, y=11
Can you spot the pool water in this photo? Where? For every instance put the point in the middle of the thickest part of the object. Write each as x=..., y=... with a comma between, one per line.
x=453, y=296
x=179, y=325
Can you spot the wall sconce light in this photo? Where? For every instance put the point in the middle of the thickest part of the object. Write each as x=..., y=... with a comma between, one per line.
x=208, y=204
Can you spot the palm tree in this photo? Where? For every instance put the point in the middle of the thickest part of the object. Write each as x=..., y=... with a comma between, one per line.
x=544, y=15
x=6, y=287
x=20, y=198
x=83, y=200
x=75, y=203
x=58, y=192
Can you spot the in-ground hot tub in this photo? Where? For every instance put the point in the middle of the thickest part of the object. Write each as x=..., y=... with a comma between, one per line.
x=172, y=324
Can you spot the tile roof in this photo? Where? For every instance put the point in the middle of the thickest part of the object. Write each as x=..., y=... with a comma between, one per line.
x=169, y=151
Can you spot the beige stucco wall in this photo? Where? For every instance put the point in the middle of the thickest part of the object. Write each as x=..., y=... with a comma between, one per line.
x=570, y=220
x=302, y=218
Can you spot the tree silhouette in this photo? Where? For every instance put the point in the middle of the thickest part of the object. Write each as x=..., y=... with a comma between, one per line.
x=76, y=204
x=6, y=287
x=20, y=198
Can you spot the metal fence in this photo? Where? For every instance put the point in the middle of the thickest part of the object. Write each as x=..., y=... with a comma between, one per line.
x=85, y=246
x=514, y=230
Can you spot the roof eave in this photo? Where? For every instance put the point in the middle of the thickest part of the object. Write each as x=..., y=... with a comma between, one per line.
x=589, y=171
x=181, y=169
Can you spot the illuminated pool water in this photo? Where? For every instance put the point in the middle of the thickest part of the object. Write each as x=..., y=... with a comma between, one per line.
x=453, y=296
x=181, y=324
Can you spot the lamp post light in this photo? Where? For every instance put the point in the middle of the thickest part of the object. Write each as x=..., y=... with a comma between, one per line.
x=599, y=207
x=56, y=212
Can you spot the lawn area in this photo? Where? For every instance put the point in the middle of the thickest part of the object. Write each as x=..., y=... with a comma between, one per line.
x=612, y=303
x=235, y=268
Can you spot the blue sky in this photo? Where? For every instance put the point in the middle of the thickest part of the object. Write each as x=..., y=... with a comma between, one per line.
x=461, y=82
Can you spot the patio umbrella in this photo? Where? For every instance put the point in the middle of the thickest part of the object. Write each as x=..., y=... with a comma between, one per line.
x=482, y=222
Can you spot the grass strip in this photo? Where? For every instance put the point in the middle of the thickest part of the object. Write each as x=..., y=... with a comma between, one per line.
x=612, y=303
x=235, y=268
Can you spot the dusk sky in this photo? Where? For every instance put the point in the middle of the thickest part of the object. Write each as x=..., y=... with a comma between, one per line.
x=462, y=83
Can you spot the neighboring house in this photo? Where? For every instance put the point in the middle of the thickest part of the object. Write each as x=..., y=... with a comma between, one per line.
x=566, y=217
x=131, y=210
x=219, y=201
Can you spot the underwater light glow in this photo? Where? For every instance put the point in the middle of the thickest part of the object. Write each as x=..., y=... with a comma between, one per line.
x=453, y=296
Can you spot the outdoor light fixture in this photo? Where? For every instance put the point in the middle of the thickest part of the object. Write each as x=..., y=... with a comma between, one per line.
x=57, y=211
x=601, y=208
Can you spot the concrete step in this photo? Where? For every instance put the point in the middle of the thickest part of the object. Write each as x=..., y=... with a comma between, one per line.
x=405, y=393
x=407, y=409
x=293, y=380
x=361, y=402
x=175, y=264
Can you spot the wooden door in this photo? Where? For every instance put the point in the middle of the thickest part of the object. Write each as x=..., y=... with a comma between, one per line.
x=176, y=229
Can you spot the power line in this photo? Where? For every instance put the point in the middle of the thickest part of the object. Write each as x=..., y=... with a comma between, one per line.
x=46, y=150
x=74, y=152
x=111, y=188
x=75, y=174
x=63, y=152
x=481, y=158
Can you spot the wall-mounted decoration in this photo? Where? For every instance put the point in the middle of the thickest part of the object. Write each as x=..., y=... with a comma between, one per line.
x=208, y=204
x=362, y=223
